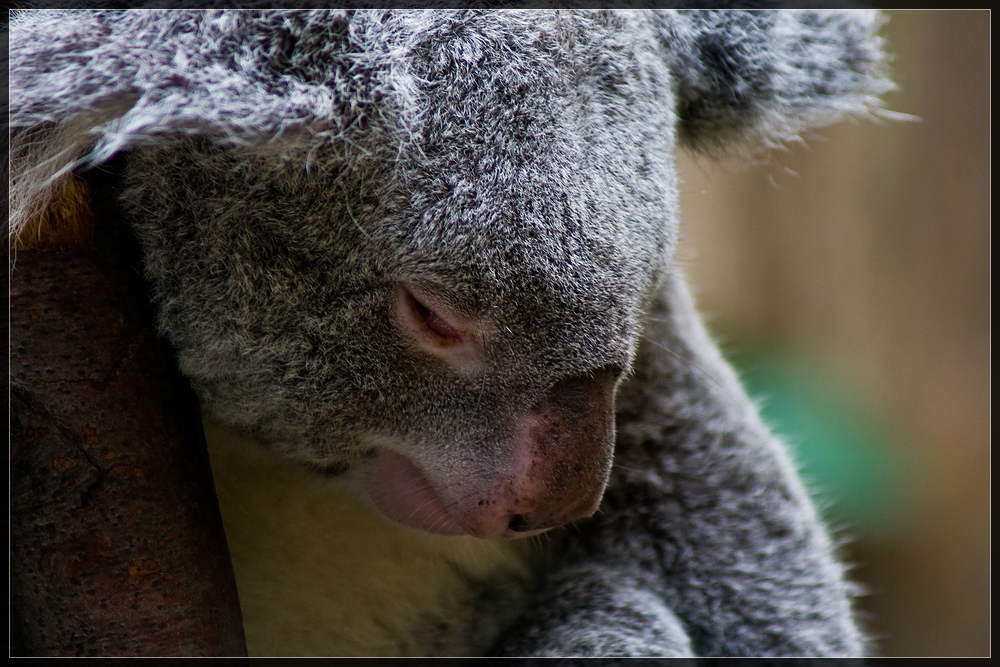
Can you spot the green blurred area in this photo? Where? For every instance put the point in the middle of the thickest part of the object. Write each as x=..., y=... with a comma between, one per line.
x=854, y=270
x=862, y=476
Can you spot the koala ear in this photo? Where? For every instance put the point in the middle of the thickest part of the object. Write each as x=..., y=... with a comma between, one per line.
x=89, y=84
x=754, y=79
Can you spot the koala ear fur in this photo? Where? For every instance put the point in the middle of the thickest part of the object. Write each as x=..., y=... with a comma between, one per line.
x=90, y=84
x=748, y=80
x=93, y=83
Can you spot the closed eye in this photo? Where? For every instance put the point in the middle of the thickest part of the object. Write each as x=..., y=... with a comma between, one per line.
x=437, y=329
x=433, y=323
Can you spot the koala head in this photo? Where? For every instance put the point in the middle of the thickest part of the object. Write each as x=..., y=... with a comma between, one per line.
x=419, y=245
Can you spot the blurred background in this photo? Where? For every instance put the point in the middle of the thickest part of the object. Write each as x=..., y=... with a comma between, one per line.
x=849, y=280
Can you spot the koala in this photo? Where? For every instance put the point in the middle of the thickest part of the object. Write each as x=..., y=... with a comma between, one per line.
x=417, y=266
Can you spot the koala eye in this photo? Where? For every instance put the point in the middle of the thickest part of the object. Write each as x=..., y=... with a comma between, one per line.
x=437, y=329
x=433, y=322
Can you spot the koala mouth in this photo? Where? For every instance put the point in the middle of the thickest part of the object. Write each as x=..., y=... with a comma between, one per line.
x=404, y=494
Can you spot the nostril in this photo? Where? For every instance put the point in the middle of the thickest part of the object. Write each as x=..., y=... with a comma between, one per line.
x=519, y=524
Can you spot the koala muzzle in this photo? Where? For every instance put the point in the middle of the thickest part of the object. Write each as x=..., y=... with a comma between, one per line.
x=561, y=456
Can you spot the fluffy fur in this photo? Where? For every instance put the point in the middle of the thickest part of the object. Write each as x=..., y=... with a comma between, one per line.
x=284, y=170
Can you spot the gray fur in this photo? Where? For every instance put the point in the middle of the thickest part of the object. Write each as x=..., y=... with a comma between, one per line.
x=285, y=170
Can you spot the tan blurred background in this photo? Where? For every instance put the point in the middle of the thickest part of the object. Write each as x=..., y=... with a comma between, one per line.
x=850, y=279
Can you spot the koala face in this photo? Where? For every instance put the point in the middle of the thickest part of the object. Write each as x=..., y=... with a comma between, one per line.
x=451, y=320
x=419, y=245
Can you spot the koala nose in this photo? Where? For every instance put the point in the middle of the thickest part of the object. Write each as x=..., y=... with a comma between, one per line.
x=563, y=449
x=525, y=525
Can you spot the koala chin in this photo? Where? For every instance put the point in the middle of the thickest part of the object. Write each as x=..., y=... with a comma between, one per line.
x=418, y=267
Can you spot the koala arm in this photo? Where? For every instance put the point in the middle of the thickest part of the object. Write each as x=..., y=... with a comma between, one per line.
x=594, y=607
x=706, y=542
